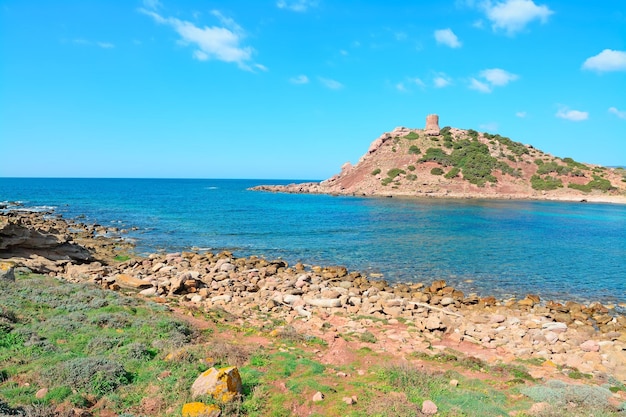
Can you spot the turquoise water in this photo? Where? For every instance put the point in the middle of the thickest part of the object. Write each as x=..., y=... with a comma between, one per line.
x=558, y=250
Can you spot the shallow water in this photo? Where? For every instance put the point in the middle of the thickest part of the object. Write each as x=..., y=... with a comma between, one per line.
x=555, y=249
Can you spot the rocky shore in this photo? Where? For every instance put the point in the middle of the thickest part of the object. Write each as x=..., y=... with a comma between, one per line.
x=327, y=301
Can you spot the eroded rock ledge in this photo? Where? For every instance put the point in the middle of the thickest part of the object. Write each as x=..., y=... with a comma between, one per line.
x=332, y=300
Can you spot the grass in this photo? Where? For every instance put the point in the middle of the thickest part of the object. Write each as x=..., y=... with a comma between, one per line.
x=88, y=346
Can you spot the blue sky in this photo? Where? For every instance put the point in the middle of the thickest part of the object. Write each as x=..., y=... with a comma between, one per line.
x=295, y=88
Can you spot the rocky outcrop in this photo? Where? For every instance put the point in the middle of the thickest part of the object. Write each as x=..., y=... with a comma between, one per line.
x=432, y=125
x=458, y=163
x=45, y=243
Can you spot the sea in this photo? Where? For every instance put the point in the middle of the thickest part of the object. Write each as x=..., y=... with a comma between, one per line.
x=506, y=248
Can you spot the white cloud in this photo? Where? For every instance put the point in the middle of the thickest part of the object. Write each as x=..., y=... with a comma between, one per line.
x=498, y=77
x=573, y=115
x=607, y=60
x=521, y=114
x=513, y=15
x=417, y=81
x=479, y=86
x=103, y=45
x=400, y=87
x=447, y=37
x=489, y=127
x=492, y=77
x=296, y=5
x=300, y=79
x=332, y=84
x=441, y=81
x=343, y=52
x=152, y=4
x=221, y=43
x=619, y=113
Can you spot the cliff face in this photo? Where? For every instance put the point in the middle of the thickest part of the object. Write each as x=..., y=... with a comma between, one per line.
x=464, y=163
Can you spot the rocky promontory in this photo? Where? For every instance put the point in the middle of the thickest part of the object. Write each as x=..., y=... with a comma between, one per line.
x=463, y=163
x=330, y=301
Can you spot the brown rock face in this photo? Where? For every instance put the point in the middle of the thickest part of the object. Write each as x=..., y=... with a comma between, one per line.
x=432, y=125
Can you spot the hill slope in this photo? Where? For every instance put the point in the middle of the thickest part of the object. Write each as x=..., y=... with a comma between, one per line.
x=464, y=163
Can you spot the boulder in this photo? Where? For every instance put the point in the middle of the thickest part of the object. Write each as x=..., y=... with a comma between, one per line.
x=7, y=271
x=223, y=384
x=198, y=409
x=128, y=281
x=429, y=408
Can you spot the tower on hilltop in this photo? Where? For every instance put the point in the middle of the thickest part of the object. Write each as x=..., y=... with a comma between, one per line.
x=432, y=125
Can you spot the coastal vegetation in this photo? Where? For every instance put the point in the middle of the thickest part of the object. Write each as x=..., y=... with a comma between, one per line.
x=67, y=346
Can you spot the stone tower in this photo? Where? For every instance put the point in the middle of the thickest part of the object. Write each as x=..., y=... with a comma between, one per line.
x=432, y=125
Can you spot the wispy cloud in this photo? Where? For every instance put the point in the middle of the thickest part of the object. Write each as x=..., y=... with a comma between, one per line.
x=607, y=60
x=103, y=45
x=329, y=83
x=619, y=113
x=222, y=43
x=296, y=5
x=492, y=77
x=300, y=79
x=479, y=86
x=447, y=37
x=401, y=87
x=489, y=127
x=441, y=80
x=521, y=114
x=573, y=115
x=513, y=15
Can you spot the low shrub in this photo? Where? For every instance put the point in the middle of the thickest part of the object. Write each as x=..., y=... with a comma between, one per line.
x=454, y=172
x=376, y=171
x=412, y=136
x=394, y=172
x=436, y=171
x=97, y=376
x=546, y=183
x=411, y=167
x=414, y=150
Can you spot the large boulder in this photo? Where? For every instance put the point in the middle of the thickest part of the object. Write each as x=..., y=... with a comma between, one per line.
x=223, y=384
x=7, y=271
x=198, y=409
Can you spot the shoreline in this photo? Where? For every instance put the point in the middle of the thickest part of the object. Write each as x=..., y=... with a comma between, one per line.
x=590, y=338
x=315, y=188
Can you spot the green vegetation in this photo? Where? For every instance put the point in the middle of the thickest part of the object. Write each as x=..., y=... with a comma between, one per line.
x=516, y=148
x=570, y=162
x=412, y=136
x=394, y=172
x=89, y=346
x=546, y=183
x=597, y=183
x=453, y=173
x=436, y=171
x=549, y=167
x=376, y=171
x=411, y=177
x=414, y=150
x=411, y=167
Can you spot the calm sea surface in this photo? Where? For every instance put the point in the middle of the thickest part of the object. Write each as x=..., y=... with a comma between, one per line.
x=558, y=250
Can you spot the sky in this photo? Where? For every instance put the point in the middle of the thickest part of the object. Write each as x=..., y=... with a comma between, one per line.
x=292, y=89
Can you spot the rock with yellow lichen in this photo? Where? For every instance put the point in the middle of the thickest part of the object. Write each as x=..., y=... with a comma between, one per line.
x=222, y=384
x=198, y=409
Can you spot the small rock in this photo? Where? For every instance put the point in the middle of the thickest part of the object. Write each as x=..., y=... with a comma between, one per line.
x=429, y=407
x=446, y=301
x=7, y=271
x=454, y=382
x=348, y=400
x=41, y=393
x=590, y=346
x=318, y=397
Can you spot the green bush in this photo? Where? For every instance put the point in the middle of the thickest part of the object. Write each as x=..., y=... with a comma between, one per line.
x=411, y=167
x=412, y=136
x=545, y=183
x=376, y=171
x=414, y=150
x=436, y=171
x=538, y=161
x=394, y=172
x=552, y=166
x=454, y=172
x=472, y=134
x=411, y=177
x=436, y=155
x=97, y=376
x=386, y=181
x=597, y=183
